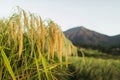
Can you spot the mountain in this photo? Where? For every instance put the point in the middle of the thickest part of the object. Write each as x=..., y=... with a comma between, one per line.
x=82, y=35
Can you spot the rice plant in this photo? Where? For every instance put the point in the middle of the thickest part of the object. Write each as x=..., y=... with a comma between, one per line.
x=95, y=68
x=31, y=49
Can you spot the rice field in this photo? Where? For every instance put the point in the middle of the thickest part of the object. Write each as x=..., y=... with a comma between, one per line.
x=32, y=48
x=90, y=68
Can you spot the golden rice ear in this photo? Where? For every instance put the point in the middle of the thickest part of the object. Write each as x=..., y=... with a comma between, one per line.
x=30, y=35
x=53, y=37
x=25, y=19
x=9, y=31
x=59, y=48
x=13, y=31
x=20, y=36
x=42, y=35
x=38, y=47
x=37, y=32
x=37, y=22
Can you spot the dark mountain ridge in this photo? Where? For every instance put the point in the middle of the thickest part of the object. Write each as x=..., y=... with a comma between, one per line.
x=82, y=35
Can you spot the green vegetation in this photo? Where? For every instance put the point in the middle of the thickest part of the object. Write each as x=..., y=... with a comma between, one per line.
x=110, y=49
x=32, y=49
x=94, y=69
x=97, y=54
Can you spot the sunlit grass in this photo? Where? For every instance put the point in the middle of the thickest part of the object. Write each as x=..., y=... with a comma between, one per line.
x=95, y=69
x=32, y=49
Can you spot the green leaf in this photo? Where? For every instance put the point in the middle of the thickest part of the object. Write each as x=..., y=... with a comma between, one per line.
x=7, y=63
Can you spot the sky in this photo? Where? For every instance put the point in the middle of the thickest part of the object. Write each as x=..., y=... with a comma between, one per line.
x=99, y=15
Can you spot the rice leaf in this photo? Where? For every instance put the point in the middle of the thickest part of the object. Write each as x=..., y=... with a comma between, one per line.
x=7, y=63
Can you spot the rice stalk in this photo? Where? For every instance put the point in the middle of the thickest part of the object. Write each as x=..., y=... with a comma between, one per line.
x=32, y=40
x=20, y=37
x=38, y=46
x=59, y=48
x=25, y=19
x=83, y=56
x=32, y=33
x=7, y=63
x=42, y=35
x=37, y=65
x=13, y=31
x=45, y=67
x=49, y=51
x=53, y=37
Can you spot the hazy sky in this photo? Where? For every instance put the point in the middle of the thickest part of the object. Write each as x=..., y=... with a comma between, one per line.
x=99, y=15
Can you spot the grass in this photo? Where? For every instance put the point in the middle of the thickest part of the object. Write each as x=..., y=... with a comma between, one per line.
x=7, y=63
x=32, y=49
x=97, y=54
x=95, y=68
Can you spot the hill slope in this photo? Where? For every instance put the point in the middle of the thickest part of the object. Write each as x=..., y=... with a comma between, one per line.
x=81, y=35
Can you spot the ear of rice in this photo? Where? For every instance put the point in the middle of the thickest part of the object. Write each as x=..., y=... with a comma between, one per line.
x=25, y=19
x=59, y=48
x=20, y=36
x=42, y=35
